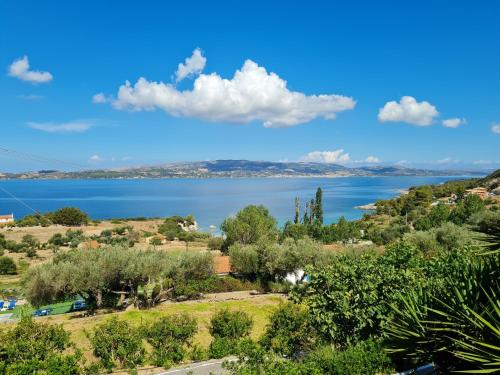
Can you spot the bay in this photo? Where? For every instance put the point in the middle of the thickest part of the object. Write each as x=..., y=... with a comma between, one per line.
x=209, y=200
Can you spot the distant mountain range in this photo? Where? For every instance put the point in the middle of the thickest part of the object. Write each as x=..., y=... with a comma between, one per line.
x=238, y=168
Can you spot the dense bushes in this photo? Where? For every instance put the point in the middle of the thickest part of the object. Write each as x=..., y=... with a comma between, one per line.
x=228, y=328
x=215, y=243
x=69, y=216
x=7, y=266
x=212, y=284
x=270, y=261
x=169, y=337
x=37, y=348
x=367, y=357
x=97, y=274
x=250, y=225
x=349, y=300
x=116, y=343
x=290, y=331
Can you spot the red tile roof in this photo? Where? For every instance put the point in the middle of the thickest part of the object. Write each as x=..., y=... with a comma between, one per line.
x=222, y=265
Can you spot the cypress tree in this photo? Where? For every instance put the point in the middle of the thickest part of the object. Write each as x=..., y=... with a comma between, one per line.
x=312, y=208
x=297, y=210
x=318, y=209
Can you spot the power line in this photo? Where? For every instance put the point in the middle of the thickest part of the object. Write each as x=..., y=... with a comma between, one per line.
x=4, y=151
x=19, y=200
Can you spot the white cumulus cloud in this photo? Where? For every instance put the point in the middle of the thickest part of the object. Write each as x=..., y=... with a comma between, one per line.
x=193, y=65
x=337, y=156
x=252, y=94
x=454, y=122
x=495, y=128
x=372, y=159
x=79, y=126
x=408, y=110
x=20, y=68
x=100, y=98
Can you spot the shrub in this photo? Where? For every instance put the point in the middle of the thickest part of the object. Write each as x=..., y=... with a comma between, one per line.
x=349, y=300
x=228, y=328
x=115, y=342
x=7, y=266
x=169, y=337
x=455, y=327
x=250, y=225
x=215, y=243
x=37, y=348
x=69, y=216
x=57, y=239
x=289, y=331
x=230, y=324
x=364, y=358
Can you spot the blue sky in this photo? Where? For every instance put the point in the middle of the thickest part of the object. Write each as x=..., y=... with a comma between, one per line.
x=390, y=72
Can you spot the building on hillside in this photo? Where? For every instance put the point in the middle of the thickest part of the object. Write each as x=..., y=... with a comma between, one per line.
x=297, y=277
x=479, y=191
x=222, y=265
x=6, y=219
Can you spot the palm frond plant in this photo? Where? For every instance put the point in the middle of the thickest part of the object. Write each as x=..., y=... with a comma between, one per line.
x=457, y=329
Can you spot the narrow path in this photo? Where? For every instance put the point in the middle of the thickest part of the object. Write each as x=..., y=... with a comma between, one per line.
x=213, y=366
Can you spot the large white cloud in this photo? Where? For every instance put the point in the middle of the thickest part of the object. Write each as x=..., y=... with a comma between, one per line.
x=252, y=94
x=454, y=122
x=337, y=156
x=408, y=110
x=193, y=65
x=20, y=68
x=495, y=128
x=79, y=126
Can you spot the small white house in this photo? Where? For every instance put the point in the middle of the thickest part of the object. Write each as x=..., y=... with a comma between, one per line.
x=297, y=277
x=6, y=219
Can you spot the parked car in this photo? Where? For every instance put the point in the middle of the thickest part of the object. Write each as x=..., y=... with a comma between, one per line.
x=78, y=305
x=12, y=304
x=43, y=312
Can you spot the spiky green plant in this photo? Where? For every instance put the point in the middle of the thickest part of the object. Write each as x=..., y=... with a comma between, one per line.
x=457, y=328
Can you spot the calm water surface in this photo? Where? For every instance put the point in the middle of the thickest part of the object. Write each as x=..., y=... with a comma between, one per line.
x=209, y=200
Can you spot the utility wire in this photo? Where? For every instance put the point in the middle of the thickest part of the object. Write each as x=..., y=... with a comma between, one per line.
x=19, y=200
x=37, y=158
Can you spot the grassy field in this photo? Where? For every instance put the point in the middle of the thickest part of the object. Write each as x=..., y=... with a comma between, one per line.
x=259, y=307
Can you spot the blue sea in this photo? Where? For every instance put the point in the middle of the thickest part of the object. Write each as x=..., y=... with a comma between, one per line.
x=209, y=200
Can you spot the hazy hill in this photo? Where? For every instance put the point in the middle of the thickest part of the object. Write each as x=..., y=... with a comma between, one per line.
x=238, y=168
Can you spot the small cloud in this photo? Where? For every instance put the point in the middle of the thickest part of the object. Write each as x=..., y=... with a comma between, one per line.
x=30, y=97
x=192, y=66
x=65, y=127
x=127, y=158
x=337, y=156
x=402, y=162
x=408, y=110
x=20, y=69
x=100, y=98
x=495, y=128
x=95, y=159
x=454, y=122
x=482, y=162
x=372, y=159
x=447, y=160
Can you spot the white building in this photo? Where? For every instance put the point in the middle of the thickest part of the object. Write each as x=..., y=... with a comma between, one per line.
x=6, y=219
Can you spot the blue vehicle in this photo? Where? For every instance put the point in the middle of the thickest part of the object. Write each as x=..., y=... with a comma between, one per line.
x=42, y=312
x=12, y=304
x=78, y=305
x=1, y=304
